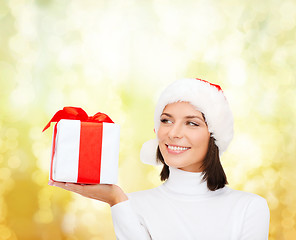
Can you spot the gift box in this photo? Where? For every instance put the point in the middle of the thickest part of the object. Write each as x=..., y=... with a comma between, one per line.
x=84, y=149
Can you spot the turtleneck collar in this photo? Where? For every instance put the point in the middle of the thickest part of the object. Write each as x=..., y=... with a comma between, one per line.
x=186, y=183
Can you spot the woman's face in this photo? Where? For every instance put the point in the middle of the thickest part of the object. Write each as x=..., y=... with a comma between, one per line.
x=183, y=137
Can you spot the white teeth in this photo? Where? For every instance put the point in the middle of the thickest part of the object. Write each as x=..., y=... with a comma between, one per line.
x=177, y=148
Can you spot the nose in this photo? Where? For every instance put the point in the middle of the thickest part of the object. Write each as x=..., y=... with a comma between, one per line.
x=175, y=131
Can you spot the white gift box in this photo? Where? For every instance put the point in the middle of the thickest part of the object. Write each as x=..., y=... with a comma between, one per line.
x=85, y=152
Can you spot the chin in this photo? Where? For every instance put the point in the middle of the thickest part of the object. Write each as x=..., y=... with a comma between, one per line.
x=190, y=167
x=174, y=164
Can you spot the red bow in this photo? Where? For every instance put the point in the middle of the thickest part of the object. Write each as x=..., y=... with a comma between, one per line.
x=76, y=113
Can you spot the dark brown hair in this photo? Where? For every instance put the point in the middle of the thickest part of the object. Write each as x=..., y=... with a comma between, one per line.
x=213, y=172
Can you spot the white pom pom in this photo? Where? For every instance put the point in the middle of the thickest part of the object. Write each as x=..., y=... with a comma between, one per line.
x=148, y=152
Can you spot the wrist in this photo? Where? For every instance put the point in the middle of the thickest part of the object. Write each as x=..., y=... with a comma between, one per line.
x=120, y=196
x=118, y=200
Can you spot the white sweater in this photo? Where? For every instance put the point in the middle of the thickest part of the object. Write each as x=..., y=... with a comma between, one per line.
x=184, y=209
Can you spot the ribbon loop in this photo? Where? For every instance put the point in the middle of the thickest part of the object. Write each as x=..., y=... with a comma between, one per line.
x=100, y=117
x=76, y=113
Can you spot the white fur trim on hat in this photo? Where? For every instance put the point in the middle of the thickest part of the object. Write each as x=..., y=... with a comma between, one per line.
x=206, y=98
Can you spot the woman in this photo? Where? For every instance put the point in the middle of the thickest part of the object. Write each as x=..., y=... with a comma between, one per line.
x=194, y=126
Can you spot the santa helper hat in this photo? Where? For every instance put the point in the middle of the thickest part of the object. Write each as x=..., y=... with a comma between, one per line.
x=207, y=98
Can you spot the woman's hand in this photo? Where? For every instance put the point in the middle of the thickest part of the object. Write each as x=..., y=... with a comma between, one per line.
x=108, y=193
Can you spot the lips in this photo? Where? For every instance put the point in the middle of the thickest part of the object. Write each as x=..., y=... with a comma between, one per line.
x=176, y=149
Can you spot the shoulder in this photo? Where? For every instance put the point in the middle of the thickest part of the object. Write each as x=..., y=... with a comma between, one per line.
x=254, y=214
x=242, y=195
x=249, y=201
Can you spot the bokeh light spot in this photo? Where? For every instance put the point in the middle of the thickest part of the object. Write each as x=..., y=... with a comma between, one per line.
x=43, y=216
x=5, y=173
x=5, y=232
x=14, y=162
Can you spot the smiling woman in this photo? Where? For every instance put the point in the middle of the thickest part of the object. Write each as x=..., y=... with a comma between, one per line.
x=202, y=155
x=183, y=137
x=194, y=126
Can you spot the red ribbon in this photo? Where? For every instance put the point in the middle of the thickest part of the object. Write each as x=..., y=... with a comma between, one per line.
x=76, y=113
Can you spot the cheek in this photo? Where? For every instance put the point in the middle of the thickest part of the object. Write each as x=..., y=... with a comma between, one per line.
x=161, y=133
x=201, y=140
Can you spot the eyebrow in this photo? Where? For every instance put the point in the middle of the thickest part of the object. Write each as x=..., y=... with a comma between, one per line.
x=189, y=117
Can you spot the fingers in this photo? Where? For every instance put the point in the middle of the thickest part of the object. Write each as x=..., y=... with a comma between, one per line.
x=85, y=190
x=108, y=193
x=67, y=186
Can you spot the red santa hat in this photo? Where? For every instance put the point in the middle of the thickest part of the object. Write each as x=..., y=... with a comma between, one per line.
x=207, y=98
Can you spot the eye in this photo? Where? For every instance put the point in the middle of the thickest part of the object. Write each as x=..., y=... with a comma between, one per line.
x=164, y=120
x=192, y=124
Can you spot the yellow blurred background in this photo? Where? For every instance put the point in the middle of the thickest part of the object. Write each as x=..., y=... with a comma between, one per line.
x=116, y=56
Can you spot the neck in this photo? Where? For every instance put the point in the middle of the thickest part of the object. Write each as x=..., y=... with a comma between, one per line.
x=188, y=183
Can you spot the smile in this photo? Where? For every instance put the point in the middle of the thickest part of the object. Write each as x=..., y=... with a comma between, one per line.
x=176, y=149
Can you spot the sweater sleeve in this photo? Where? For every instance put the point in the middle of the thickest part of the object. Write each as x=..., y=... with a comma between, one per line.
x=127, y=224
x=256, y=224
